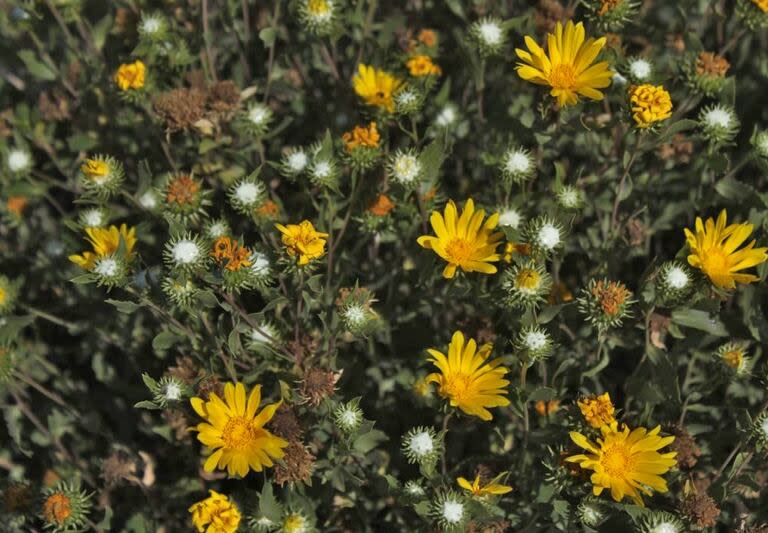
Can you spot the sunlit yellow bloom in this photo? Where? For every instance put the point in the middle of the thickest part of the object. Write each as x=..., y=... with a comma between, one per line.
x=467, y=379
x=95, y=168
x=215, y=514
x=762, y=4
x=318, y=7
x=491, y=489
x=105, y=241
x=130, y=75
x=303, y=240
x=235, y=431
x=597, y=410
x=567, y=65
x=714, y=251
x=650, y=104
x=375, y=86
x=626, y=462
x=422, y=65
x=362, y=136
x=464, y=241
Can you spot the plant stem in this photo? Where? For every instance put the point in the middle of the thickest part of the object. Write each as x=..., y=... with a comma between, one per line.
x=443, y=466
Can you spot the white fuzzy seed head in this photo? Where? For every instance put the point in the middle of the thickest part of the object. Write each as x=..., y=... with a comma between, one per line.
x=151, y=25
x=18, y=160
x=664, y=527
x=322, y=169
x=490, y=32
x=148, y=200
x=297, y=161
x=185, y=252
x=510, y=218
x=421, y=444
x=172, y=391
x=535, y=340
x=677, y=278
x=405, y=168
x=93, y=218
x=640, y=69
x=453, y=511
x=718, y=117
x=259, y=263
x=247, y=193
x=258, y=114
x=517, y=162
x=549, y=236
x=446, y=117
x=764, y=426
x=107, y=267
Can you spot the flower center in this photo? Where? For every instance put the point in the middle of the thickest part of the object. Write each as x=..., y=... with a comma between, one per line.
x=182, y=190
x=459, y=251
x=318, y=7
x=562, y=77
x=239, y=433
x=734, y=358
x=457, y=386
x=616, y=460
x=528, y=279
x=714, y=262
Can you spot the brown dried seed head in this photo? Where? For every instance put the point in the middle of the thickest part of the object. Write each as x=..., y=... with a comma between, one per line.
x=296, y=466
x=700, y=509
x=179, y=109
x=285, y=424
x=317, y=385
x=687, y=451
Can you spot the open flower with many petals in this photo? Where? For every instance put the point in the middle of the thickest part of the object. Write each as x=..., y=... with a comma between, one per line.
x=131, y=75
x=303, y=240
x=467, y=379
x=215, y=514
x=234, y=430
x=627, y=462
x=714, y=251
x=567, y=65
x=105, y=242
x=376, y=86
x=464, y=241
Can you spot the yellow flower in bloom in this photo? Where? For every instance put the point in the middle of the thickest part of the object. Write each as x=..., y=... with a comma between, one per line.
x=375, y=86
x=105, y=241
x=318, y=7
x=303, y=240
x=362, y=136
x=57, y=508
x=597, y=410
x=650, y=104
x=95, y=168
x=714, y=251
x=295, y=523
x=422, y=65
x=215, y=514
x=762, y=4
x=467, y=379
x=464, y=241
x=626, y=462
x=235, y=431
x=130, y=75
x=567, y=66
x=492, y=488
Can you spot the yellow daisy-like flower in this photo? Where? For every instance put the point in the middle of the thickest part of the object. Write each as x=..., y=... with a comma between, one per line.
x=131, y=75
x=215, y=514
x=491, y=489
x=235, y=431
x=650, y=104
x=422, y=65
x=467, y=379
x=376, y=87
x=303, y=240
x=714, y=251
x=597, y=410
x=762, y=4
x=567, y=66
x=626, y=462
x=95, y=168
x=464, y=241
x=105, y=241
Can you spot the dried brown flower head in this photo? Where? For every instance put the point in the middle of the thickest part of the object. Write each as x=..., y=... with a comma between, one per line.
x=700, y=509
x=210, y=384
x=185, y=369
x=548, y=13
x=117, y=468
x=179, y=423
x=296, y=465
x=712, y=65
x=54, y=106
x=180, y=109
x=285, y=424
x=317, y=385
x=182, y=190
x=685, y=446
x=223, y=97
x=611, y=295
x=17, y=497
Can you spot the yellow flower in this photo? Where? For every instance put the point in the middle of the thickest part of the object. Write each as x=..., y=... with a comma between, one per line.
x=492, y=488
x=467, y=379
x=626, y=462
x=713, y=251
x=235, y=431
x=567, y=65
x=215, y=514
x=130, y=75
x=422, y=65
x=375, y=86
x=547, y=408
x=362, y=136
x=105, y=241
x=464, y=241
x=57, y=508
x=597, y=410
x=762, y=4
x=303, y=240
x=318, y=7
x=95, y=168
x=650, y=104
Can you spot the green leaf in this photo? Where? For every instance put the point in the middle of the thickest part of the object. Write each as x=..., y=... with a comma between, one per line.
x=269, y=507
x=368, y=441
x=124, y=306
x=268, y=35
x=542, y=393
x=146, y=404
x=701, y=320
x=38, y=69
x=164, y=340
